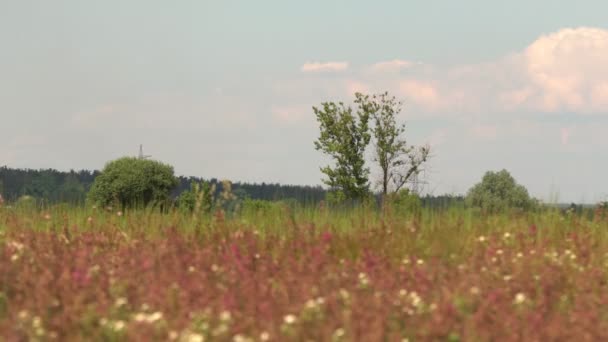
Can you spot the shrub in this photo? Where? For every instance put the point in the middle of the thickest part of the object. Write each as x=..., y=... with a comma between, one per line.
x=498, y=191
x=130, y=182
x=403, y=202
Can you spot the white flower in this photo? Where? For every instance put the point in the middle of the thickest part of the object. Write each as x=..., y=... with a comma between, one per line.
x=154, y=317
x=192, y=337
x=264, y=336
x=519, y=298
x=120, y=302
x=289, y=319
x=225, y=316
x=118, y=325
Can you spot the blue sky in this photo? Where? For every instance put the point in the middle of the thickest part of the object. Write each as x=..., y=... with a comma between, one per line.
x=224, y=89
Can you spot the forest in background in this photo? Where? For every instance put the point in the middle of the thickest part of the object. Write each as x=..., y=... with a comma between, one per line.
x=55, y=186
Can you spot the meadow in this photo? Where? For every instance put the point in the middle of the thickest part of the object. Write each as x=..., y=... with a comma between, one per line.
x=302, y=274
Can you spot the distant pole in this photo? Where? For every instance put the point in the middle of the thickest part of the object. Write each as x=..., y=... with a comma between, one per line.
x=141, y=153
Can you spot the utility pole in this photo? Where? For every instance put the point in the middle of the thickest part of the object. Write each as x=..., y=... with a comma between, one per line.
x=141, y=153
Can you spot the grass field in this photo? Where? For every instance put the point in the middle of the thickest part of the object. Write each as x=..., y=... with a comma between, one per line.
x=302, y=275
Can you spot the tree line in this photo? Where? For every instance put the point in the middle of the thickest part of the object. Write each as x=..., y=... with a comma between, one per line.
x=53, y=186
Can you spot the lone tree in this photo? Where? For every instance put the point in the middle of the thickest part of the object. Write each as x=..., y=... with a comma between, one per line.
x=344, y=137
x=131, y=182
x=498, y=191
x=397, y=161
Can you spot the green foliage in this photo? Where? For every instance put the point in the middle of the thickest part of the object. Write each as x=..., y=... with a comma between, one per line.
x=252, y=207
x=404, y=202
x=344, y=137
x=498, y=191
x=131, y=182
x=397, y=161
x=198, y=199
x=26, y=202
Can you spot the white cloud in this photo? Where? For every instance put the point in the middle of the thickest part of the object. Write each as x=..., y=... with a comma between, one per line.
x=569, y=70
x=563, y=71
x=393, y=65
x=324, y=67
x=420, y=92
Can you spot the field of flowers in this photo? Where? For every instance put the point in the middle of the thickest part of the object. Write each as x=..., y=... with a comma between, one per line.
x=80, y=274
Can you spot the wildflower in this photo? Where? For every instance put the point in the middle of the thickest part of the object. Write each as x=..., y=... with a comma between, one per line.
x=507, y=277
x=264, y=336
x=420, y=262
x=120, y=302
x=520, y=298
x=173, y=335
x=225, y=316
x=289, y=319
x=320, y=301
x=14, y=257
x=311, y=304
x=154, y=317
x=89, y=219
x=118, y=325
x=191, y=269
x=23, y=315
x=507, y=235
x=339, y=333
x=193, y=337
x=402, y=293
x=474, y=290
x=119, y=213
x=36, y=322
x=47, y=216
x=499, y=252
x=482, y=238
x=344, y=294
x=363, y=279
x=140, y=317
x=239, y=338
x=415, y=299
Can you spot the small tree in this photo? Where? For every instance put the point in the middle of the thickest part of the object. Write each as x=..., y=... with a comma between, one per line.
x=498, y=191
x=398, y=162
x=344, y=137
x=130, y=182
x=198, y=199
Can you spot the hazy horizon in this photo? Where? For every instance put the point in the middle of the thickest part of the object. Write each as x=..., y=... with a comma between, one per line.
x=225, y=90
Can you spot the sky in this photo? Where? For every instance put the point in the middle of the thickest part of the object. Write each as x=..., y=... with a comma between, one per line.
x=225, y=89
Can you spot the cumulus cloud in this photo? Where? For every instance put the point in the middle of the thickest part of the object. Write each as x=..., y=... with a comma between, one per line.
x=568, y=70
x=324, y=67
x=421, y=93
x=561, y=71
